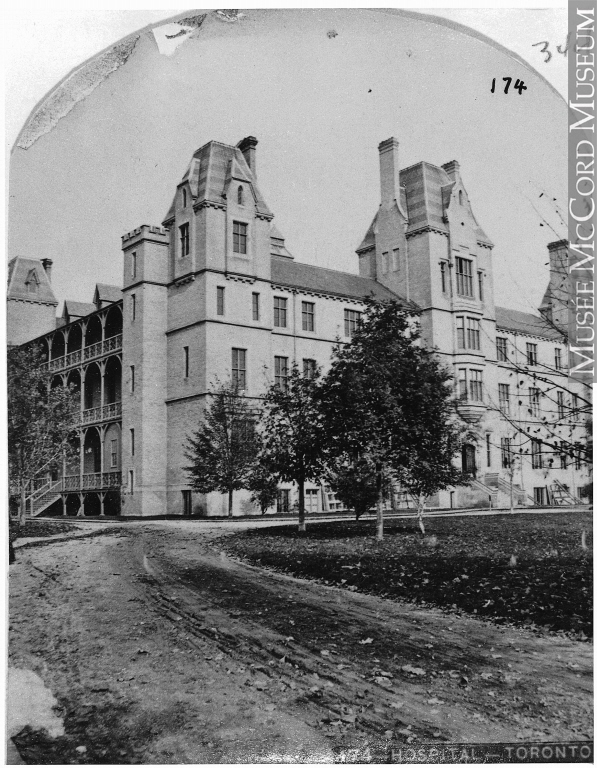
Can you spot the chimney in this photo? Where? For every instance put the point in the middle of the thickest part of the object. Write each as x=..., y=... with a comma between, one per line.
x=47, y=265
x=452, y=169
x=389, y=171
x=247, y=147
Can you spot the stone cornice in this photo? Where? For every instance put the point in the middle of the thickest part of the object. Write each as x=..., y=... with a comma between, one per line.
x=426, y=228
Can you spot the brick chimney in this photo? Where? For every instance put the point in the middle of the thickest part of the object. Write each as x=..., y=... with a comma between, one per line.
x=47, y=265
x=247, y=147
x=389, y=171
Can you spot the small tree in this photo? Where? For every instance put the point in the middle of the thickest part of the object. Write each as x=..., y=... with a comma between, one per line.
x=354, y=483
x=386, y=397
x=223, y=450
x=263, y=487
x=40, y=419
x=292, y=437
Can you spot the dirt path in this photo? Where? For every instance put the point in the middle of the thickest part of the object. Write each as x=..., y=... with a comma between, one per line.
x=163, y=650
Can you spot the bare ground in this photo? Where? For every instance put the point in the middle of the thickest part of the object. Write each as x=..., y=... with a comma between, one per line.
x=161, y=649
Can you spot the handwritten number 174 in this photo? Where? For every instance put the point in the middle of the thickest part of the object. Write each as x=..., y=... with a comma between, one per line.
x=518, y=85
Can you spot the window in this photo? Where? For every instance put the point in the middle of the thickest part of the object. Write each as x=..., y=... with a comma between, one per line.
x=488, y=448
x=309, y=368
x=351, y=320
x=133, y=306
x=283, y=501
x=219, y=300
x=385, y=258
x=460, y=197
x=32, y=281
x=460, y=335
x=504, y=398
x=473, y=333
x=558, y=359
x=574, y=414
x=134, y=264
x=534, y=401
x=184, y=240
x=464, y=277
x=113, y=453
x=444, y=276
x=184, y=197
x=239, y=237
x=132, y=378
x=539, y=496
x=578, y=459
x=187, y=503
x=462, y=384
x=281, y=372
x=255, y=300
x=239, y=368
x=396, y=259
x=501, y=346
x=536, y=457
x=531, y=354
x=308, y=313
x=240, y=196
x=132, y=442
x=476, y=386
x=185, y=358
x=506, y=449
x=480, y=279
x=280, y=311
x=563, y=461
x=131, y=481
x=560, y=404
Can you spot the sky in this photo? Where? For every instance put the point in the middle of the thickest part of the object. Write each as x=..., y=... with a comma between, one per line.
x=319, y=89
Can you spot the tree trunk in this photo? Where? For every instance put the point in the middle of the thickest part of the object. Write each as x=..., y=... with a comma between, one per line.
x=230, y=492
x=420, y=506
x=511, y=491
x=23, y=508
x=301, y=519
x=379, y=486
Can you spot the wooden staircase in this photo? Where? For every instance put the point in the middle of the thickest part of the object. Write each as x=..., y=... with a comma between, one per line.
x=561, y=496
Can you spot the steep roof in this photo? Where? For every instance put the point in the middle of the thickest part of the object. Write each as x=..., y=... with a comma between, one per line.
x=22, y=271
x=321, y=280
x=209, y=174
x=526, y=323
x=109, y=293
x=76, y=309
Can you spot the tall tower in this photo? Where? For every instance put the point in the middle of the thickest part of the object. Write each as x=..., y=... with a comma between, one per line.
x=31, y=304
x=556, y=300
x=144, y=371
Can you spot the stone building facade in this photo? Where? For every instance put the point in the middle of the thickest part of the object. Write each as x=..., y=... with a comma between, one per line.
x=214, y=294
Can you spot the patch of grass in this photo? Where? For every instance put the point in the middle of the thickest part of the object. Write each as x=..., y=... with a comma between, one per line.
x=521, y=569
x=42, y=528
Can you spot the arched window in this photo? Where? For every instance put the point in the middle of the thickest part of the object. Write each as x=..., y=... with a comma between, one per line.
x=460, y=197
x=241, y=196
x=184, y=198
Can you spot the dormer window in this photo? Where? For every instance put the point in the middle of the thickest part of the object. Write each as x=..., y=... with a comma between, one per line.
x=240, y=196
x=239, y=237
x=32, y=282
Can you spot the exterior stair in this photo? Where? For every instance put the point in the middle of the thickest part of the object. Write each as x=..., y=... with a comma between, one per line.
x=561, y=496
x=43, y=497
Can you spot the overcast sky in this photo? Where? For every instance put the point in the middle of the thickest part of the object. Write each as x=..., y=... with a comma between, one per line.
x=319, y=105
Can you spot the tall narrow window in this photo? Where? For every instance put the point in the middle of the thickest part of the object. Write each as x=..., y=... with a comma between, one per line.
x=506, y=446
x=504, y=398
x=460, y=336
x=134, y=264
x=281, y=372
x=185, y=361
x=501, y=346
x=480, y=280
x=351, y=320
x=239, y=237
x=460, y=197
x=385, y=258
x=462, y=384
x=309, y=368
x=488, y=448
x=531, y=354
x=396, y=259
x=536, y=457
x=113, y=453
x=464, y=277
x=578, y=457
x=444, y=276
x=308, y=315
x=283, y=501
x=280, y=305
x=239, y=368
x=132, y=378
x=476, y=386
x=560, y=404
x=558, y=359
x=255, y=302
x=534, y=401
x=184, y=197
x=185, y=243
x=131, y=481
x=240, y=196
x=187, y=503
x=473, y=333
x=132, y=442
x=575, y=410
x=133, y=306
x=219, y=300
x=563, y=461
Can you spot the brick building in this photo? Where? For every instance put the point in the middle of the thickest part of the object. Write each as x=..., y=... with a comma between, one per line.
x=214, y=294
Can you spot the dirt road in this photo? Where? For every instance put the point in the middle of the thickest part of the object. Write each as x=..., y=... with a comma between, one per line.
x=161, y=649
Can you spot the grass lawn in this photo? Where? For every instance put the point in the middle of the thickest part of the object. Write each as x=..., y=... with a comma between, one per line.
x=528, y=569
x=42, y=528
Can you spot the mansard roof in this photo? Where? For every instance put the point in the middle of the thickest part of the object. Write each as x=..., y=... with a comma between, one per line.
x=210, y=172
x=20, y=271
x=108, y=293
x=308, y=277
x=525, y=323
